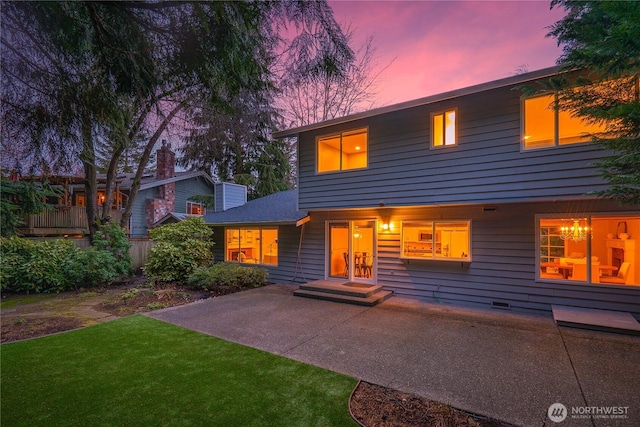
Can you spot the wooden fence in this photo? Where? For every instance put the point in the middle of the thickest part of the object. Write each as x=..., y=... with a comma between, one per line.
x=61, y=220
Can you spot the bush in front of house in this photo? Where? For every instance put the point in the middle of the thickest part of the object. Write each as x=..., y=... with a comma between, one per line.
x=37, y=266
x=30, y=266
x=180, y=249
x=228, y=274
x=113, y=239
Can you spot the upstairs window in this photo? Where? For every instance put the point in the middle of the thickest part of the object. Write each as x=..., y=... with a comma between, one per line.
x=443, y=129
x=546, y=126
x=194, y=208
x=343, y=151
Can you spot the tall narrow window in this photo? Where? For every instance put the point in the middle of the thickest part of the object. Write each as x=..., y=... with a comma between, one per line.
x=344, y=151
x=443, y=129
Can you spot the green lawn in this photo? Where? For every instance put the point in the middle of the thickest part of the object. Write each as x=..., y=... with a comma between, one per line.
x=138, y=371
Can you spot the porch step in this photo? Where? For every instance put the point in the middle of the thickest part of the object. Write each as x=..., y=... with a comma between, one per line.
x=351, y=293
x=595, y=319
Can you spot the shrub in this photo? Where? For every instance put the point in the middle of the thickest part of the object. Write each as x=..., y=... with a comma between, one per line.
x=99, y=267
x=180, y=249
x=37, y=266
x=59, y=265
x=113, y=239
x=228, y=274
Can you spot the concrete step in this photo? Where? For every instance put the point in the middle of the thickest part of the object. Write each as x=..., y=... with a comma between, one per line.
x=368, y=301
x=595, y=319
x=358, y=290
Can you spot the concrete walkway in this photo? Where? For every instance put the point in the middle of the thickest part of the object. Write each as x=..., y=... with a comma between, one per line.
x=504, y=365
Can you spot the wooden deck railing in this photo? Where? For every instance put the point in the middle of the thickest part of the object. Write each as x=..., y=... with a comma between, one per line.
x=61, y=220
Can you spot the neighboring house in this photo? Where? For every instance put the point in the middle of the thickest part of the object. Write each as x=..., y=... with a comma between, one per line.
x=161, y=194
x=477, y=196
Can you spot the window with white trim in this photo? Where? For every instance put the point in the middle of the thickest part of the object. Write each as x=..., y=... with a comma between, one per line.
x=443, y=129
x=251, y=245
x=342, y=151
x=596, y=249
x=437, y=240
x=194, y=208
x=544, y=125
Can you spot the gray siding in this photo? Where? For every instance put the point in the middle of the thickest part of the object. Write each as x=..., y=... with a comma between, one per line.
x=503, y=267
x=189, y=188
x=487, y=165
x=229, y=195
x=288, y=241
x=139, y=214
x=184, y=189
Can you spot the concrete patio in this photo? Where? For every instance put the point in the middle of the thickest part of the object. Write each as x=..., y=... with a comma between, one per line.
x=496, y=363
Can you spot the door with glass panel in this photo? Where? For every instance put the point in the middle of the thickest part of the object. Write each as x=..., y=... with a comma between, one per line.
x=351, y=250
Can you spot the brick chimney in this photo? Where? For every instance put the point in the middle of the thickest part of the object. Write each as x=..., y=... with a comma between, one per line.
x=166, y=161
x=165, y=199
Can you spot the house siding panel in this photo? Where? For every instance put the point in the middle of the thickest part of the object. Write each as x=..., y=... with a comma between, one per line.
x=503, y=265
x=189, y=188
x=139, y=214
x=487, y=165
x=229, y=195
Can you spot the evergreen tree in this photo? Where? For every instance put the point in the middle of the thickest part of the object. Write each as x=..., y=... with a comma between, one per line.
x=85, y=75
x=604, y=38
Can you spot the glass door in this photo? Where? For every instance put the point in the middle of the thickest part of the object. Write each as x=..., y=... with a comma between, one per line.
x=338, y=252
x=351, y=250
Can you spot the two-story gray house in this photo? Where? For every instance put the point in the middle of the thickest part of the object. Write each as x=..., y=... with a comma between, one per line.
x=477, y=196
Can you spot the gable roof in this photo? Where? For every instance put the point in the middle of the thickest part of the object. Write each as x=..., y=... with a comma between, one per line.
x=508, y=81
x=172, y=217
x=277, y=208
x=151, y=181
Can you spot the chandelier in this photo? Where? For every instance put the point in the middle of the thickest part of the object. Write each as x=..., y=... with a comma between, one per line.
x=574, y=232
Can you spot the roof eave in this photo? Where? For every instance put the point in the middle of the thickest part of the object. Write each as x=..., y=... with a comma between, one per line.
x=156, y=183
x=244, y=224
x=507, y=81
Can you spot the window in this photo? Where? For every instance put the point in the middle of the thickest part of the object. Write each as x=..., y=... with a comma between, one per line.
x=344, y=151
x=589, y=248
x=194, y=208
x=545, y=126
x=443, y=129
x=252, y=245
x=439, y=240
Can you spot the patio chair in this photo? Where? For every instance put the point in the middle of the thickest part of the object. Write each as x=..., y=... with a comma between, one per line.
x=346, y=264
x=366, y=265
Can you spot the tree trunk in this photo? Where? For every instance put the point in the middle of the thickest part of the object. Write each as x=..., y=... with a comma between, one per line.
x=115, y=158
x=111, y=183
x=88, y=157
x=135, y=185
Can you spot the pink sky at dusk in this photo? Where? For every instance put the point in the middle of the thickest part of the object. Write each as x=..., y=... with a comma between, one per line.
x=446, y=45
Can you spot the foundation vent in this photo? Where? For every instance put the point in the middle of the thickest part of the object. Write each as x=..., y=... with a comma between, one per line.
x=501, y=305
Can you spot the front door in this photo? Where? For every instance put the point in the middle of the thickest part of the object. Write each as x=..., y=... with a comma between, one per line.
x=351, y=250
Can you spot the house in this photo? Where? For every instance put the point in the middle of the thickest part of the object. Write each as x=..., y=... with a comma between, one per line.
x=478, y=196
x=161, y=194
